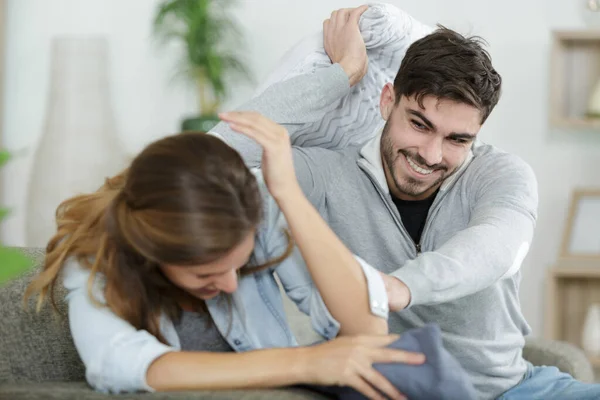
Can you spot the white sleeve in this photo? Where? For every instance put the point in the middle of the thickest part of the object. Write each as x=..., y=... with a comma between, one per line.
x=115, y=354
x=378, y=299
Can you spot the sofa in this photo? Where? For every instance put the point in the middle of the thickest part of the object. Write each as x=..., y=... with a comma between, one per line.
x=38, y=359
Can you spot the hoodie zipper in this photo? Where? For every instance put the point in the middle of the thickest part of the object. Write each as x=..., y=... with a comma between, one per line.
x=395, y=214
x=418, y=247
x=364, y=165
x=430, y=215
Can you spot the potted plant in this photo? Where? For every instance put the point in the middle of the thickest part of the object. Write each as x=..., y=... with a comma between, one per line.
x=12, y=262
x=208, y=34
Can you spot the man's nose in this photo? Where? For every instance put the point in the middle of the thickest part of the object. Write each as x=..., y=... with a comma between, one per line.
x=431, y=150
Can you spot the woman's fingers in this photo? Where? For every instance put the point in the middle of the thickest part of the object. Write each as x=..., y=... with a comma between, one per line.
x=243, y=118
x=359, y=384
x=250, y=118
x=387, y=355
x=249, y=132
x=377, y=380
x=249, y=122
x=382, y=354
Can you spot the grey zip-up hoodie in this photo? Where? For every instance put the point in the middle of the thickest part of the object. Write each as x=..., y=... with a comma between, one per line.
x=466, y=276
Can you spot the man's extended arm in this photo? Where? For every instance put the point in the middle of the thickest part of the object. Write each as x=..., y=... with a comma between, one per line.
x=291, y=103
x=493, y=246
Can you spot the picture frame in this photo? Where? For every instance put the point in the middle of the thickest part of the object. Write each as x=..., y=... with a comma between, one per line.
x=581, y=239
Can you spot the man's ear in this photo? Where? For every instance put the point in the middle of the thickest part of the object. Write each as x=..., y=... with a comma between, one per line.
x=387, y=100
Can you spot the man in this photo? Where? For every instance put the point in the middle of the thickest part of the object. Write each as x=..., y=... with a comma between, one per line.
x=448, y=219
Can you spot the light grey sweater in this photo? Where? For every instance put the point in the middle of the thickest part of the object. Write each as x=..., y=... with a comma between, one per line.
x=477, y=232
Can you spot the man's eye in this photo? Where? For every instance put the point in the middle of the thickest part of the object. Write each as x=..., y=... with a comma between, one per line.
x=418, y=125
x=460, y=141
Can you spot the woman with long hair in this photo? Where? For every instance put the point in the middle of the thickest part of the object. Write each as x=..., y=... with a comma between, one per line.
x=170, y=269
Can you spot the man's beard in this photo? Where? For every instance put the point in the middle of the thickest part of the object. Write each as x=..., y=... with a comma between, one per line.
x=411, y=187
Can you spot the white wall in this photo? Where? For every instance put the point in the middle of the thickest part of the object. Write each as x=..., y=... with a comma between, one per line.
x=147, y=104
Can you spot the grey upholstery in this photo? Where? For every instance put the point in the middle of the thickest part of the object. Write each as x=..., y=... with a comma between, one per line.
x=35, y=347
x=565, y=356
x=38, y=359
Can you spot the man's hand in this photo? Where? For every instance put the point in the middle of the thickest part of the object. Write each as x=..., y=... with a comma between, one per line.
x=397, y=292
x=344, y=43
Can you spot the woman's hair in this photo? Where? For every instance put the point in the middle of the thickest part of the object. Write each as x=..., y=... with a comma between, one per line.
x=187, y=199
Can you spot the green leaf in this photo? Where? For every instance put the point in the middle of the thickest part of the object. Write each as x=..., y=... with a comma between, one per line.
x=4, y=212
x=12, y=264
x=208, y=32
x=4, y=157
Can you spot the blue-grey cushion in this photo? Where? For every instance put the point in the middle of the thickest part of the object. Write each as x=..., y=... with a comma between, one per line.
x=440, y=377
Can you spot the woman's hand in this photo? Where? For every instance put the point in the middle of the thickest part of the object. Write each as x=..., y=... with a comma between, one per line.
x=277, y=162
x=348, y=361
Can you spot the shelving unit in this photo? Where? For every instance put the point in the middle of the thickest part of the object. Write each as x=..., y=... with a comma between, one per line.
x=595, y=361
x=575, y=70
x=571, y=288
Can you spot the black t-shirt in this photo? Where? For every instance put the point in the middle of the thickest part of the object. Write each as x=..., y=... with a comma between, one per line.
x=414, y=214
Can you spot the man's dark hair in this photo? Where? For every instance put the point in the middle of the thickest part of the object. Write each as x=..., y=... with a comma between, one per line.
x=450, y=66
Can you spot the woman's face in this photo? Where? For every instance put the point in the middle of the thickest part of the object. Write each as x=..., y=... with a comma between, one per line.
x=208, y=280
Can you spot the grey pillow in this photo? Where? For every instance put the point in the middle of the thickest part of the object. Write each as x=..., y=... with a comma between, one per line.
x=440, y=377
x=387, y=31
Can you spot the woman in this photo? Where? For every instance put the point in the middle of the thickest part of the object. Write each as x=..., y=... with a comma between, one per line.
x=170, y=266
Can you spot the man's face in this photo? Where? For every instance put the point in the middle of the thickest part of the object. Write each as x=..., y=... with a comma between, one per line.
x=421, y=147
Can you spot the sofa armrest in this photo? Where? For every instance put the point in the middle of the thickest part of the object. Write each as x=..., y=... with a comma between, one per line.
x=565, y=356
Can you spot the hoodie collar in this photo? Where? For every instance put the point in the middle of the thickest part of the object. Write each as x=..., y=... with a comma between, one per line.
x=370, y=158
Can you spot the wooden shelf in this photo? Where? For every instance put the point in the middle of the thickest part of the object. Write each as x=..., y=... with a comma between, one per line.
x=595, y=361
x=577, y=35
x=577, y=272
x=572, y=286
x=576, y=123
x=575, y=71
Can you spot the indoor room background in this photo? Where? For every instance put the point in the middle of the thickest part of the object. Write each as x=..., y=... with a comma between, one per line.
x=147, y=102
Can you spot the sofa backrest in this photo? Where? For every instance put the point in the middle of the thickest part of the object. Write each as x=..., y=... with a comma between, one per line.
x=35, y=347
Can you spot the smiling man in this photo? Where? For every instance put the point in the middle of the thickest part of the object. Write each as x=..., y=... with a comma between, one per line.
x=446, y=218
x=417, y=154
